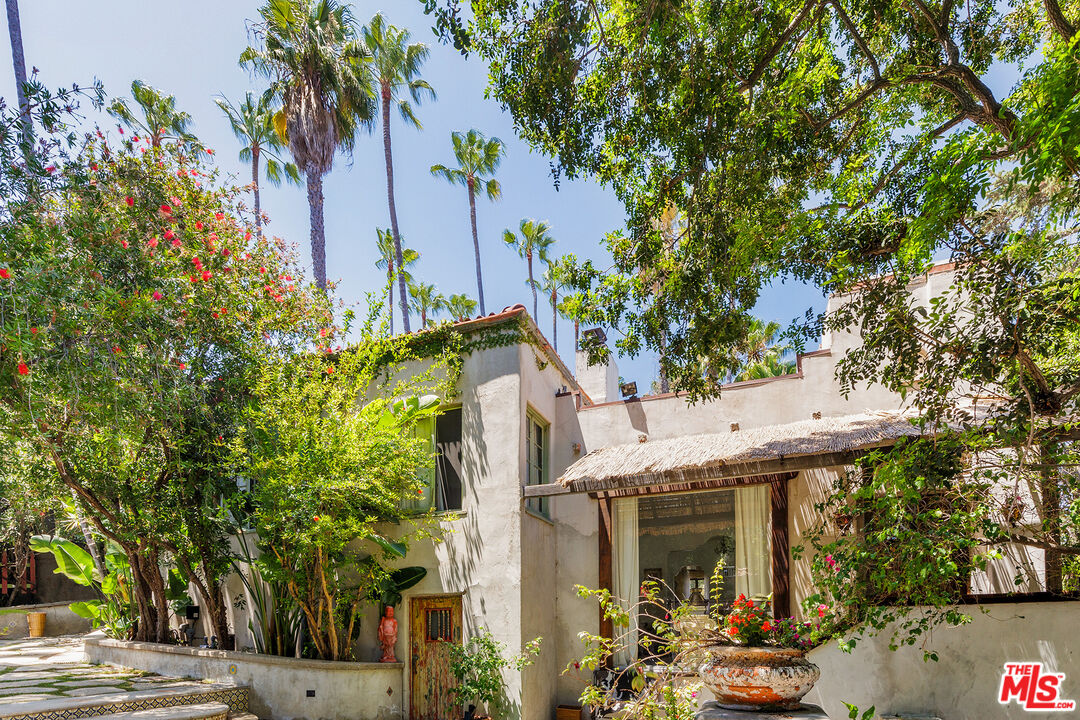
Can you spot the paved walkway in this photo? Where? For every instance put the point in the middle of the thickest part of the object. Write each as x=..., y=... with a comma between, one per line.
x=37, y=669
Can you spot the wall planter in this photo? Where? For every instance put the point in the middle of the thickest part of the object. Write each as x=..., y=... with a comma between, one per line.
x=35, y=622
x=758, y=678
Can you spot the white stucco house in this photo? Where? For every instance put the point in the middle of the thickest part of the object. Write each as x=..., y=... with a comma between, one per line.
x=547, y=478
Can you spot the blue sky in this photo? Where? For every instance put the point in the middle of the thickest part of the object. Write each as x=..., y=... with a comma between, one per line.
x=190, y=49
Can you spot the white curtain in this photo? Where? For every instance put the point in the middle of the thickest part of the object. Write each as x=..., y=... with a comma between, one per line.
x=753, y=534
x=625, y=574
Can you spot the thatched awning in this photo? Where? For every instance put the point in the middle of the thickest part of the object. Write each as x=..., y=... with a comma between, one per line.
x=755, y=452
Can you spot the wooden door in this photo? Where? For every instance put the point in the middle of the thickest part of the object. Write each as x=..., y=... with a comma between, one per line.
x=434, y=622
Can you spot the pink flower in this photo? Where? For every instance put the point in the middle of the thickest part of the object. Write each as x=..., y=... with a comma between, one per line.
x=166, y=209
x=157, y=295
x=821, y=610
x=174, y=200
x=50, y=169
x=830, y=562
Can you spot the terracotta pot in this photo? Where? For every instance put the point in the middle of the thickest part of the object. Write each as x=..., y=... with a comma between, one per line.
x=758, y=678
x=36, y=624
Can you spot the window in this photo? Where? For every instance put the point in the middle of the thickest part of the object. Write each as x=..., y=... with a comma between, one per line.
x=536, y=448
x=678, y=539
x=442, y=486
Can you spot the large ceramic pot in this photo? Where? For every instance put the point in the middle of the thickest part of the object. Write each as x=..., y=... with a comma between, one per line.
x=758, y=678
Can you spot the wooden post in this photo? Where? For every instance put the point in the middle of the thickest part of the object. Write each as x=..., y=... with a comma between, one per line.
x=604, y=560
x=781, y=580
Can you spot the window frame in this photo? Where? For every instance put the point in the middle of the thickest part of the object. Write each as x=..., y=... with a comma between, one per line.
x=540, y=506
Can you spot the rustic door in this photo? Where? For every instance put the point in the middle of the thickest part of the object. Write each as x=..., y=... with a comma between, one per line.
x=434, y=622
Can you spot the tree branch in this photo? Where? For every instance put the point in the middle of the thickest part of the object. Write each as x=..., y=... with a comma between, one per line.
x=763, y=63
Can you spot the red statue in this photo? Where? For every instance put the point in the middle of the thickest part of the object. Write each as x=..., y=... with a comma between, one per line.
x=388, y=635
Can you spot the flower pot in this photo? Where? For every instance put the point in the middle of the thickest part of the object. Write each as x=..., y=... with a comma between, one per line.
x=758, y=678
x=36, y=623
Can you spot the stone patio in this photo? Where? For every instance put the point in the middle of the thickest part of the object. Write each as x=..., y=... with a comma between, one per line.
x=48, y=679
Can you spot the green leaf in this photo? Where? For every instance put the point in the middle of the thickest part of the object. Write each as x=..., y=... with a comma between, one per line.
x=72, y=561
x=392, y=548
x=91, y=609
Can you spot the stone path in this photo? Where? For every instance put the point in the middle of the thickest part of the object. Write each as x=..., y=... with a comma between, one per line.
x=37, y=669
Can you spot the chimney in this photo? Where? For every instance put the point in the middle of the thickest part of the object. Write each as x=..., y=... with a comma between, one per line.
x=600, y=382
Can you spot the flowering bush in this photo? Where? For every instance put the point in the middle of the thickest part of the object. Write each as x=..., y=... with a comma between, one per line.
x=751, y=623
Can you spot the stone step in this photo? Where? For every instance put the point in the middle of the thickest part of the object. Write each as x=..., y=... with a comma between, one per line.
x=243, y=716
x=235, y=697
x=203, y=711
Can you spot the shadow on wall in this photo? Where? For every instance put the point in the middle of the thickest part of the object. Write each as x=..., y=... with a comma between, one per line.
x=966, y=680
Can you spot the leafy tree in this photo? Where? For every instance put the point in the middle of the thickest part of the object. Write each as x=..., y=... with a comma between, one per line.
x=460, y=306
x=388, y=252
x=159, y=121
x=253, y=124
x=534, y=241
x=426, y=300
x=478, y=158
x=311, y=53
x=332, y=459
x=395, y=66
x=138, y=310
x=819, y=140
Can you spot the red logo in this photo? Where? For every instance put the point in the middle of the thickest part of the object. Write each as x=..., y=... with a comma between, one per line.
x=1032, y=688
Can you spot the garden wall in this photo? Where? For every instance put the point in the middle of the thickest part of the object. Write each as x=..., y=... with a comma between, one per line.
x=279, y=686
x=965, y=681
x=59, y=620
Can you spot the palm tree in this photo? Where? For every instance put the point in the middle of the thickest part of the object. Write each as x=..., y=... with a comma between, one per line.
x=461, y=306
x=551, y=286
x=533, y=242
x=395, y=65
x=18, y=60
x=159, y=121
x=426, y=299
x=388, y=252
x=316, y=65
x=253, y=124
x=478, y=158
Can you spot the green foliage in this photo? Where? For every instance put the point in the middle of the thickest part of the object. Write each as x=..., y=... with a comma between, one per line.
x=136, y=310
x=113, y=610
x=819, y=141
x=332, y=455
x=478, y=665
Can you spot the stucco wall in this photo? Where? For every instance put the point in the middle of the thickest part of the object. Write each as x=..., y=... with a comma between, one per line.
x=59, y=620
x=965, y=681
x=279, y=686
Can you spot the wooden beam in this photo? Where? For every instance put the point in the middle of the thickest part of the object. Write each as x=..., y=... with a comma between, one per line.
x=604, y=579
x=781, y=566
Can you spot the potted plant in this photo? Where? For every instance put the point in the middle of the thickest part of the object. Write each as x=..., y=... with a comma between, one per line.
x=478, y=665
x=35, y=621
x=765, y=668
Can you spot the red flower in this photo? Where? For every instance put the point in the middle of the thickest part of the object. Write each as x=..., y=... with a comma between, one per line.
x=193, y=278
x=224, y=311
x=316, y=518
x=214, y=314
x=419, y=492
x=130, y=201
x=219, y=216
x=23, y=370
x=198, y=225
x=157, y=295
x=124, y=243
x=206, y=275
x=169, y=234
x=4, y=273
x=183, y=366
x=330, y=371
x=166, y=209
x=33, y=331
x=180, y=173
x=50, y=169
x=226, y=252
x=209, y=151
x=94, y=167
x=766, y=626
x=152, y=242
x=116, y=349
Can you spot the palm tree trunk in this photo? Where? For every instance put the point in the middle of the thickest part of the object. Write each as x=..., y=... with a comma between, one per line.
x=255, y=185
x=390, y=290
x=577, y=327
x=476, y=245
x=532, y=286
x=393, y=207
x=554, y=320
x=318, y=230
x=17, y=57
